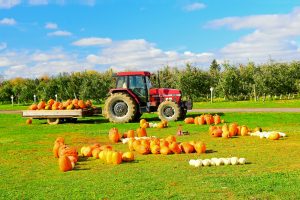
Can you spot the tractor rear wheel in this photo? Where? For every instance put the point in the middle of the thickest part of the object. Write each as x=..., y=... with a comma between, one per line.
x=168, y=110
x=120, y=108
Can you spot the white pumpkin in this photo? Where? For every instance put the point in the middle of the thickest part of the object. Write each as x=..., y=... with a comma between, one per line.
x=242, y=161
x=234, y=160
x=198, y=163
x=206, y=162
x=192, y=162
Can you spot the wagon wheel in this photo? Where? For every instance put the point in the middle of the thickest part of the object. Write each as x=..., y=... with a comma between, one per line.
x=53, y=121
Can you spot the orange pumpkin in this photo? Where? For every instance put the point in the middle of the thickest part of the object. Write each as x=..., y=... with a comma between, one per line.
x=217, y=132
x=211, y=129
x=106, y=147
x=70, y=107
x=75, y=101
x=145, y=143
x=95, y=146
x=171, y=138
x=116, y=158
x=175, y=148
x=160, y=125
x=155, y=149
x=81, y=104
x=165, y=123
x=136, y=144
x=130, y=144
x=50, y=102
x=244, y=131
x=33, y=107
x=86, y=151
x=163, y=143
x=187, y=147
x=165, y=150
x=142, y=121
x=143, y=150
x=88, y=103
x=128, y=157
x=108, y=157
x=238, y=130
x=209, y=119
x=200, y=147
x=201, y=120
x=274, y=136
x=60, y=140
x=68, y=151
x=233, y=129
x=114, y=135
x=64, y=164
x=95, y=153
x=56, y=148
x=145, y=125
x=130, y=133
x=29, y=121
x=41, y=105
x=189, y=120
x=196, y=120
x=217, y=119
x=226, y=134
x=141, y=132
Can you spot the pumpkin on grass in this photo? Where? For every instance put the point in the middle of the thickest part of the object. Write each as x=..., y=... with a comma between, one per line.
x=29, y=121
x=114, y=135
x=189, y=120
x=128, y=157
x=200, y=147
x=64, y=164
x=141, y=132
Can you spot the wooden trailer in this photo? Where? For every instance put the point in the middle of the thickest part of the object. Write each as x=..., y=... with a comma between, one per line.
x=58, y=116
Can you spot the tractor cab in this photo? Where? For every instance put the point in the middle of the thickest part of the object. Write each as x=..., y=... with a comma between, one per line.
x=136, y=82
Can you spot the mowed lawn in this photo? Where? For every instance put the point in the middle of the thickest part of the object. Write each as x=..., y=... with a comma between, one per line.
x=28, y=169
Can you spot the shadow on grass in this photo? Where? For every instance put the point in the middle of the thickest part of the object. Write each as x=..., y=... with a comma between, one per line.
x=210, y=151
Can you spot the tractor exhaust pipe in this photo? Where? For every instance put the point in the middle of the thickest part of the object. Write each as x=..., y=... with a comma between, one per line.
x=158, y=79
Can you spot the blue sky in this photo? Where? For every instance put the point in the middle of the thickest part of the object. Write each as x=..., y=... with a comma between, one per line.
x=39, y=37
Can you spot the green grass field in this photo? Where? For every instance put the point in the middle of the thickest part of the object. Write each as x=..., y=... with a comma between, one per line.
x=30, y=171
x=249, y=104
x=205, y=105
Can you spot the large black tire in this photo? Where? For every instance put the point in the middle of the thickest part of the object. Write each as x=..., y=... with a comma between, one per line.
x=168, y=110
x=120, y=108
x=183, y=112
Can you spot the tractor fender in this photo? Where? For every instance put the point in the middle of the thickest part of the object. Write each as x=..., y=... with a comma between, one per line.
x=128, y=91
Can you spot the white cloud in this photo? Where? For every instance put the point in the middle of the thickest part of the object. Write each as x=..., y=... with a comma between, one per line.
x=38, y=2
x=9, y=3
x=8, y=21
x=92, y=41
x=38, y=63
x=51, y=25
x=3, y=45
x=60, y=33
x=194, y=6
x=140, y=54
x=4, y=62
x=274, y=36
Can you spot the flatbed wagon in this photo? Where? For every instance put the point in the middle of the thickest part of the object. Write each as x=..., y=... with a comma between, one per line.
x=58, y=116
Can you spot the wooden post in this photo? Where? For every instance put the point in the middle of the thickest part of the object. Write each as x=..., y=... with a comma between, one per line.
x=254, y=91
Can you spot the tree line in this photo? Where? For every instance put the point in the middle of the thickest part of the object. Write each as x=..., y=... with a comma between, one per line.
x=229, y=81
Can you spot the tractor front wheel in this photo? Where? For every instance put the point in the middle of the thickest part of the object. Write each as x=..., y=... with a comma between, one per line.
x=120, y=108
x=168, y=110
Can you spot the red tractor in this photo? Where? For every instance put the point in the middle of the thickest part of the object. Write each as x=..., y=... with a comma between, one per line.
x=134, y=95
